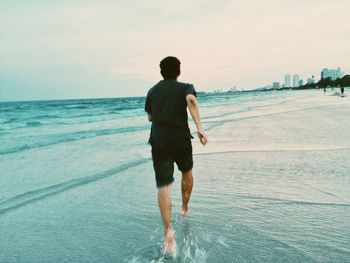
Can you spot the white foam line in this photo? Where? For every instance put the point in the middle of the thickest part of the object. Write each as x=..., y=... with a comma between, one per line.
x=45, y=192
x=252, y=116
x=218, y=151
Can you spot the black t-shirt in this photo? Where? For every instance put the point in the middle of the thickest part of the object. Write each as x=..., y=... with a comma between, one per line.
x=166, y=102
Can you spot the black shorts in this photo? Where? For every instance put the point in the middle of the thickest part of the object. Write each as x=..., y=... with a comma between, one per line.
x=165, y=154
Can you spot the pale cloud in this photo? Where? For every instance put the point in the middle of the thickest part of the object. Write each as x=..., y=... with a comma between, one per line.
x=112, y=48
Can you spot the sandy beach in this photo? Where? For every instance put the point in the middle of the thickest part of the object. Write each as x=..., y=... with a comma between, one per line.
x=272, y=185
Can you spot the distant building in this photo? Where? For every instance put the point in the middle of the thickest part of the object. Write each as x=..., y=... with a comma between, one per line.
x=301, y=82
x=287, y=81
x=311, y=80
x=276, y=85
x=331, y=73
x=295, y=80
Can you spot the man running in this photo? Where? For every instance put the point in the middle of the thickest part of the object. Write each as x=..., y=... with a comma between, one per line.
x=166, y=107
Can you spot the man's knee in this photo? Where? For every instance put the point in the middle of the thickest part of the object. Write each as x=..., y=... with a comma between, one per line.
x=187, y=173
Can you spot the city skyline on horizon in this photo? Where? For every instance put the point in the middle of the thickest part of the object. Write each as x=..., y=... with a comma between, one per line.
x=294, y=80
x=107, y=49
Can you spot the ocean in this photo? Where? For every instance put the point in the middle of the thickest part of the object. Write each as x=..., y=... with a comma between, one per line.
x=272, y=185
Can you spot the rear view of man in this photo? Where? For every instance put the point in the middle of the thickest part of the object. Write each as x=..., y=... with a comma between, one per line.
x=166, y=106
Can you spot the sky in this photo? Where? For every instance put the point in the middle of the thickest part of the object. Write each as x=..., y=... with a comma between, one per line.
x=93, y=49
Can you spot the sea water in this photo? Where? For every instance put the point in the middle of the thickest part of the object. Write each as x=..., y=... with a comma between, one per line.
x=272, y=185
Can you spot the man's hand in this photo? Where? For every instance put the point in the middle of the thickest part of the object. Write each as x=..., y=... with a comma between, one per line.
x=149, y=116
x=202, y=136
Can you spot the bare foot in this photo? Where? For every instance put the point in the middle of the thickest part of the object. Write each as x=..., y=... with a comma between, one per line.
x=185, y=211
x=169, y=242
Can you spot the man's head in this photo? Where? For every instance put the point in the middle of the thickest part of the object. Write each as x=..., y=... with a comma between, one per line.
x=170, y=68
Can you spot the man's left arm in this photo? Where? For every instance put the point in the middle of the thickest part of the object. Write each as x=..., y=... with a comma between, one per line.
x=192, y=105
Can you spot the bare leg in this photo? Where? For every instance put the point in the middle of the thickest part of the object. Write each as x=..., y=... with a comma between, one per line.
x=164, y=201
x=186, y=189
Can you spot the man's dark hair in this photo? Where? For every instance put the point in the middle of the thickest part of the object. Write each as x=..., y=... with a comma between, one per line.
x=170, y=68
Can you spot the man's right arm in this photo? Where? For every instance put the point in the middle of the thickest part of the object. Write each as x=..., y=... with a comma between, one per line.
x=148, y=108
x=194, y=110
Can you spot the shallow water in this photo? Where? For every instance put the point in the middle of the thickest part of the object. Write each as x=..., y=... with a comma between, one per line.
x=272, y=185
